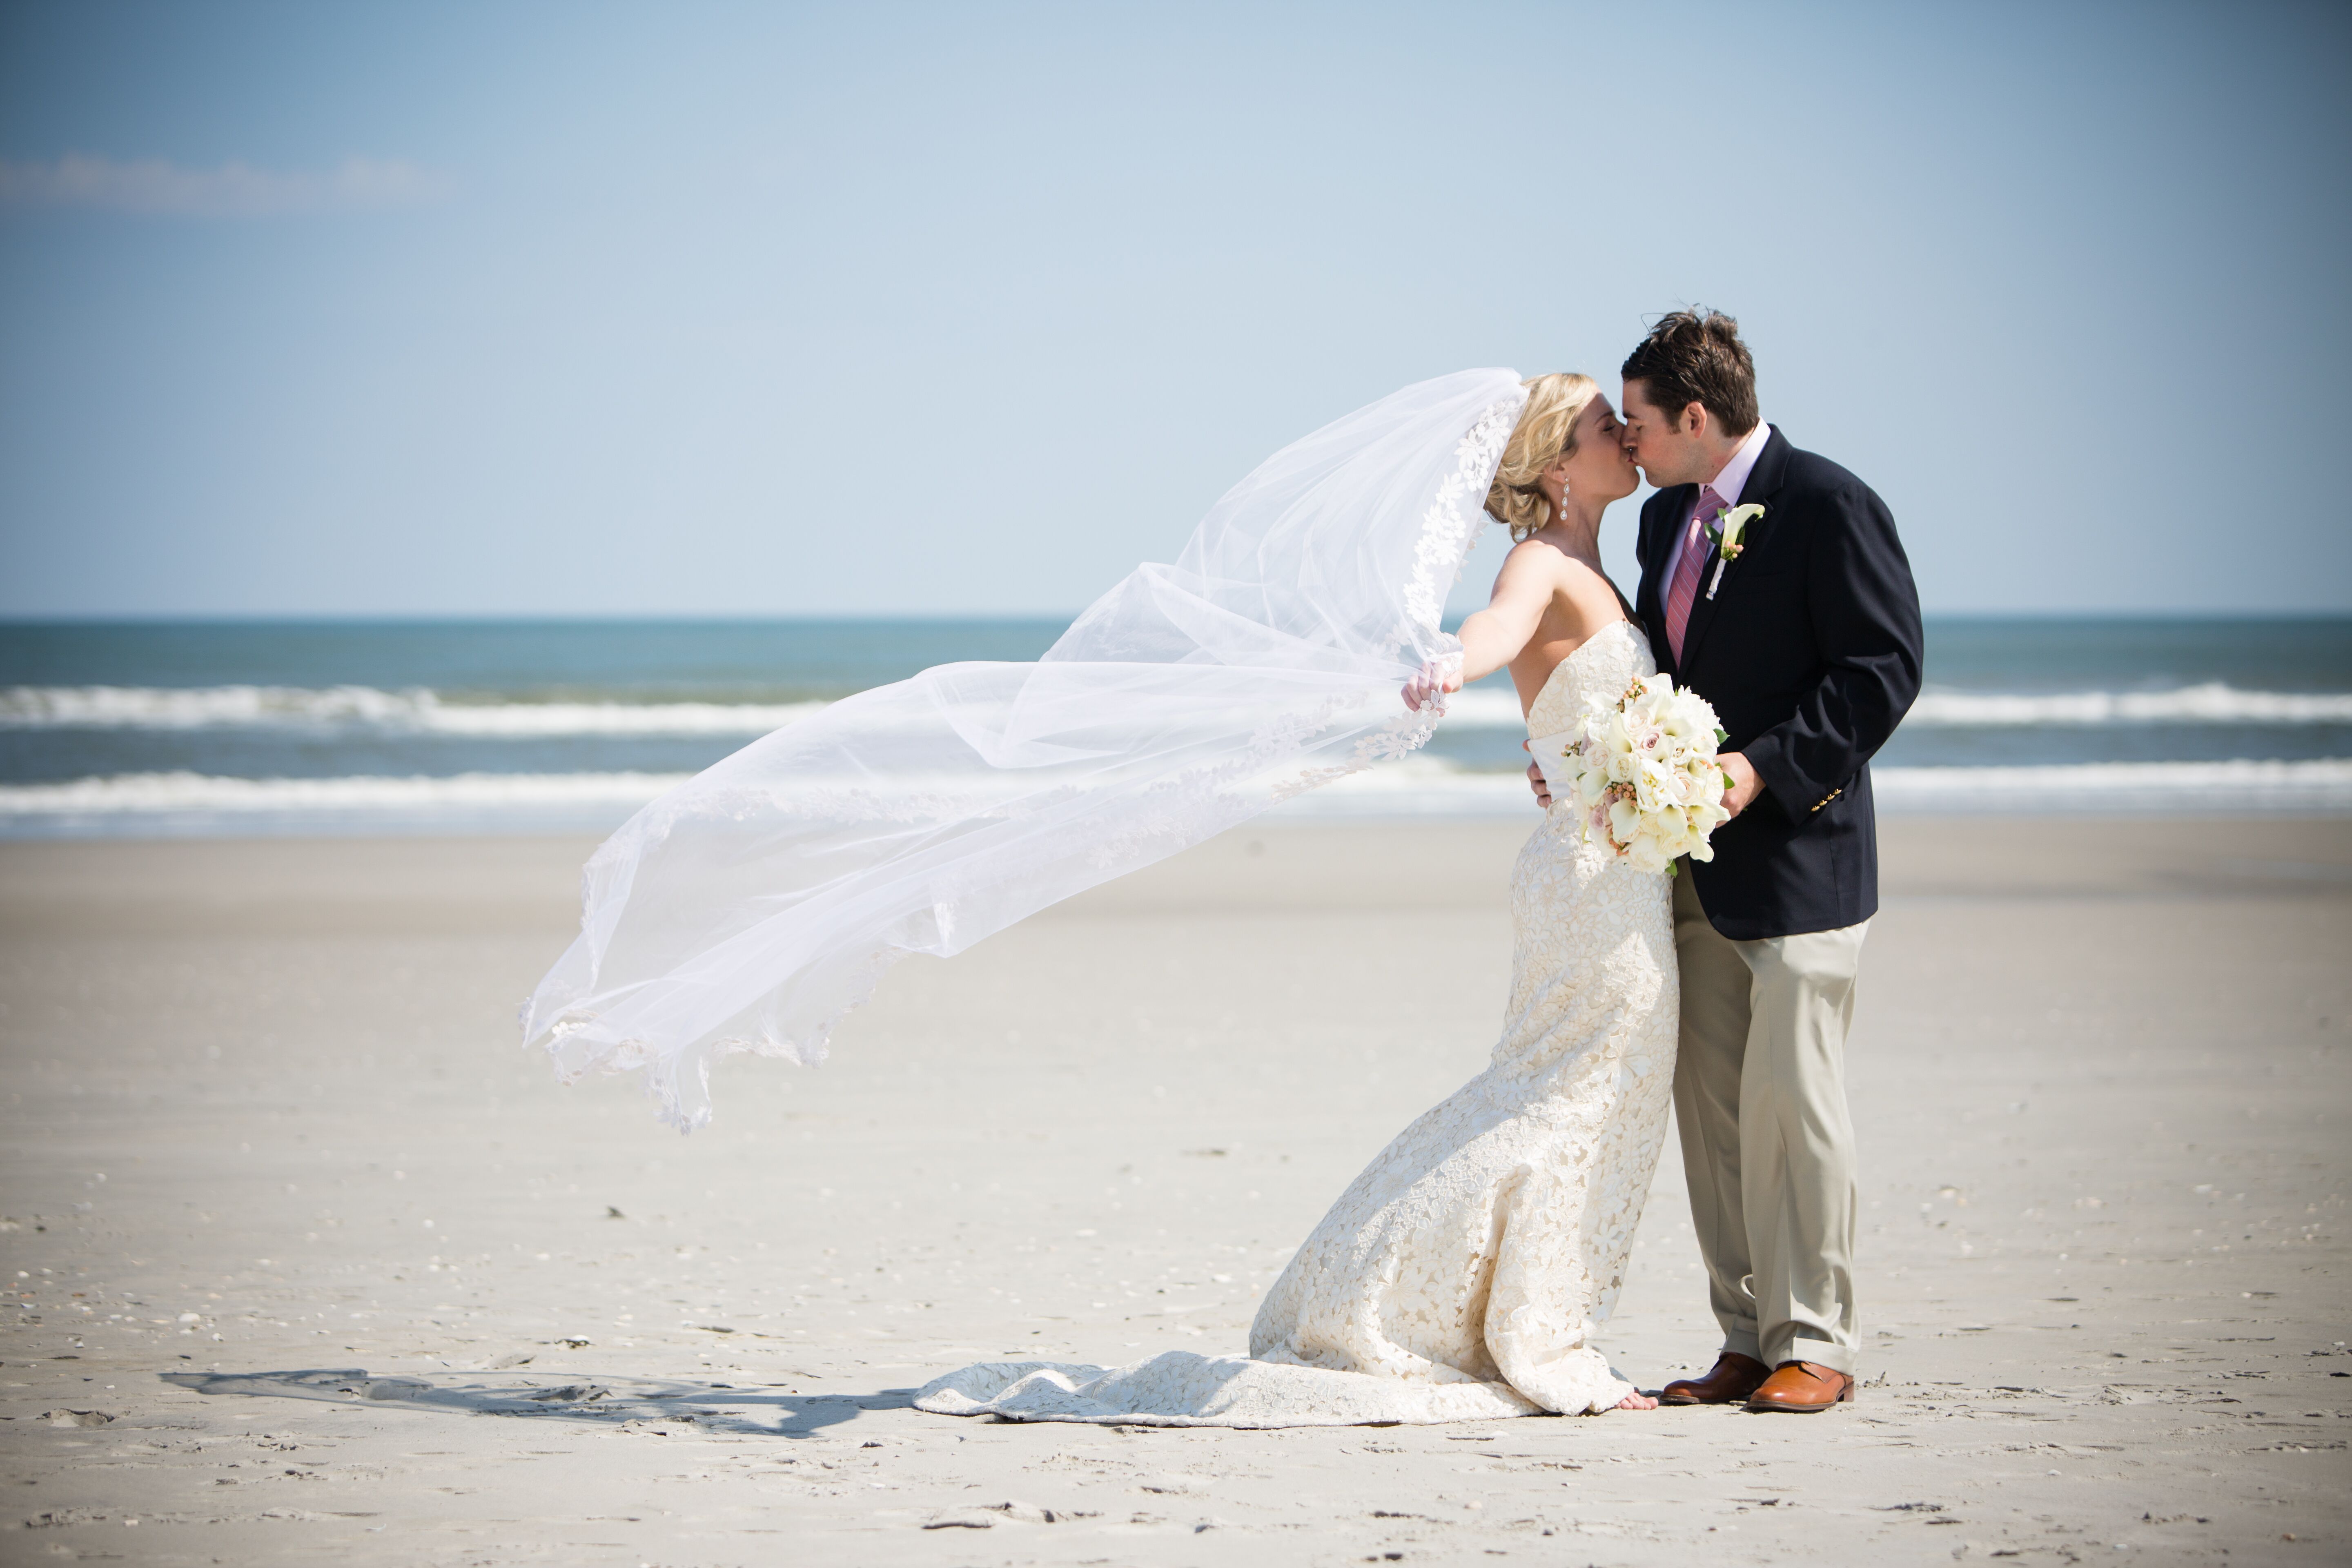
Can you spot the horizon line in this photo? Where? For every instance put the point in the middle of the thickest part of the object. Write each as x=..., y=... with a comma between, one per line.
x=879, y=617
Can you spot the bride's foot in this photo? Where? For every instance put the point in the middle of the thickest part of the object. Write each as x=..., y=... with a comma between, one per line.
x=1637, y=1402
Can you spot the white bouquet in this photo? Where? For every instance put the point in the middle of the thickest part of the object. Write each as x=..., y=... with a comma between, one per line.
x=1644, y=772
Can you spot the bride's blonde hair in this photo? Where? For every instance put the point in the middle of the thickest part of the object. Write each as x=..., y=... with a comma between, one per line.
x=1546, y=432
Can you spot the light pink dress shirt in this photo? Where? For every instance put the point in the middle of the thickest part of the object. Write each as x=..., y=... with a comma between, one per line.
x=1728, y=481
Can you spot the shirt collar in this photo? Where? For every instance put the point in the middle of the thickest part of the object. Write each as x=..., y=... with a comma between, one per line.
x=1733, y=478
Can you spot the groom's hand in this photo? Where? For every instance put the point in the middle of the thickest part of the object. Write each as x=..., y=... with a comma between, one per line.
x=1535, y=783
x=1742, y=785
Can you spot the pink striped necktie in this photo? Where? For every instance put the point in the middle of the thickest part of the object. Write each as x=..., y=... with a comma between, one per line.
x=1683, y=590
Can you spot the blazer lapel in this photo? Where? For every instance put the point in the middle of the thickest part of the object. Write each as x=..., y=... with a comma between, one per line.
x=1672, y=509
x=1763, y=479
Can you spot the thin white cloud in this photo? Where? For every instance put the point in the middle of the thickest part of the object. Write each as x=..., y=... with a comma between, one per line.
x=230, y=190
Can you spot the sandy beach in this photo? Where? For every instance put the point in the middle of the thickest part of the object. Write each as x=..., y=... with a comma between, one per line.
x=312, y=1262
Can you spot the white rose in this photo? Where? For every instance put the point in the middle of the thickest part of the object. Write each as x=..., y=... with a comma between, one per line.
x=1646, y=856
x=1652, y=788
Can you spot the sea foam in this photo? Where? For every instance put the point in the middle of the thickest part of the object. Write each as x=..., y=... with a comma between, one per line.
x=1416, y=786
x=421, y=712
x=414, y=711
x=2211, y=702
x=182, y=791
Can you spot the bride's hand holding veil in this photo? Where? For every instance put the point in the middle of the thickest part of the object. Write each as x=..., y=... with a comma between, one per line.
x=1436, y=681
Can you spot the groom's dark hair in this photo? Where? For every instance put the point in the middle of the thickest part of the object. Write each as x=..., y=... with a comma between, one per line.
x=1693, y=357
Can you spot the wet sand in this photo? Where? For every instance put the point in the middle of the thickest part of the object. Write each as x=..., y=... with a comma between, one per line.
x=311, y=1262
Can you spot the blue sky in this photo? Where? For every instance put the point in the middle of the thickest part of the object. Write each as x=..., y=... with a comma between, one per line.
x=695, y=308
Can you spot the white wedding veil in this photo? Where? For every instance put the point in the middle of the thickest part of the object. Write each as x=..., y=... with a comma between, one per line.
x=750, y=908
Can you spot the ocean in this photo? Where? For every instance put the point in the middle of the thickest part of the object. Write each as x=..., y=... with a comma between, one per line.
x=164, y=730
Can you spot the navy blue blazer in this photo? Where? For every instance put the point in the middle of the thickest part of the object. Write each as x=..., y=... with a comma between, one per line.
x=1811, y=653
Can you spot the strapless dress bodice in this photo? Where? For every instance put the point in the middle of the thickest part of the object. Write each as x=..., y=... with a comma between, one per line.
x=1603, y=665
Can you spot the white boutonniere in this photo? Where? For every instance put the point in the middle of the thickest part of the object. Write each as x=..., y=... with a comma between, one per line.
x=1728, y=529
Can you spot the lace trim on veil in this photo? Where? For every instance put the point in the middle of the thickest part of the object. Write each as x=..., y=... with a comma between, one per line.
x=1449, y=527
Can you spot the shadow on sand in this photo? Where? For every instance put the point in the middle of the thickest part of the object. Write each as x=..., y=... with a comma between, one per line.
x=651, y=1404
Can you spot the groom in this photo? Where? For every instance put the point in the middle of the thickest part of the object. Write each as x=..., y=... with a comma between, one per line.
x=1805, y=637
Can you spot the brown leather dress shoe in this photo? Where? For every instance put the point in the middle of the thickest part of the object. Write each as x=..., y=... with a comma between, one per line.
x=1735, y=1377
x=1804, y=1387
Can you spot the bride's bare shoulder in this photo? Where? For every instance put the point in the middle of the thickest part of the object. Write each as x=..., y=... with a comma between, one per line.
x=1536, y=547
x=1591, y=597
x=1540, y=555
x=1536, y=566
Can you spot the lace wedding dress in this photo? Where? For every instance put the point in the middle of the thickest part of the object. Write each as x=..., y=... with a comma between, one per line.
x=1464, y=1274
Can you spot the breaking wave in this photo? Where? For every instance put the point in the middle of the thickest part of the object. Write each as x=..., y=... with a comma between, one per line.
x=1418, y=786
x=2210, y=703
x=424, y=713
x=417, y=712
x=2207, y=704
x=189, y=792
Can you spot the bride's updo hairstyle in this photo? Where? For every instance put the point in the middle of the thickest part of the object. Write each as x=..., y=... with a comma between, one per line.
x=1546, y=434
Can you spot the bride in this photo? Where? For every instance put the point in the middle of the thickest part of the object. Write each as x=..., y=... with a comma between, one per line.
x=1464, y=1272
x=1463, y=1276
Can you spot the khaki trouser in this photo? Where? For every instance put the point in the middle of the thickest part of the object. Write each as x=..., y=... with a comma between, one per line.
x=1759, y=1095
